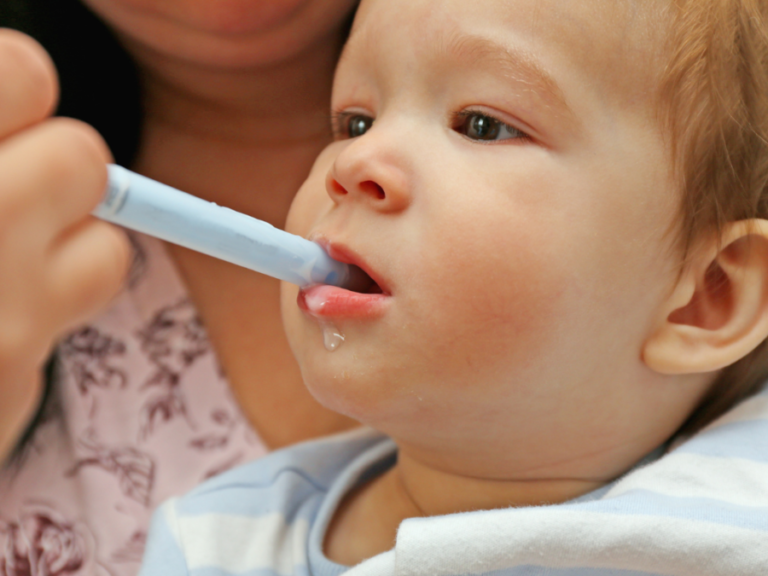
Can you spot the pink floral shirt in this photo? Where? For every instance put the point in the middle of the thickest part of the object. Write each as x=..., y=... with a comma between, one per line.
x=142, y=412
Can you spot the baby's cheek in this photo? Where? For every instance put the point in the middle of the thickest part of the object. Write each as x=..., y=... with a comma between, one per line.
x=312, y=202
x=496, y=313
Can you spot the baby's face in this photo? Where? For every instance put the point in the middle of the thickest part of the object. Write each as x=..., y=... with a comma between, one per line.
x=499, y=173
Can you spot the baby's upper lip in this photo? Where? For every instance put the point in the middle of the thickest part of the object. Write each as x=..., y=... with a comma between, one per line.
x=347, y=255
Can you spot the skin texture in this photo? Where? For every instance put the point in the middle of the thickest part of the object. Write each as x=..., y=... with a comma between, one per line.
x=236, y=96
x=233, y=34
x=525, y=278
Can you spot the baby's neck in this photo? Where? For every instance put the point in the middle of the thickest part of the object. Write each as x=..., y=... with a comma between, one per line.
x=436, y=492
x=367, y=521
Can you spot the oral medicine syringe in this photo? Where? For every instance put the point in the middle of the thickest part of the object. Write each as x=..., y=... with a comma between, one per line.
x=147, y=206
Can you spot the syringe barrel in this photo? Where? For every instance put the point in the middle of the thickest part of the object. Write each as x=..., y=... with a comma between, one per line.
x=147, y=206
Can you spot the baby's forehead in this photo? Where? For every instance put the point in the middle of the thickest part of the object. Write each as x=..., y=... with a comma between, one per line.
x=619, y=44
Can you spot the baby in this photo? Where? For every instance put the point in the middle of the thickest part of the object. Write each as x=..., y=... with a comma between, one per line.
x=558, y=205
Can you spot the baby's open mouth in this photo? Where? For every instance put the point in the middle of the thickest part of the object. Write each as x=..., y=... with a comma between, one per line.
x=362, y=298
x=361, y=282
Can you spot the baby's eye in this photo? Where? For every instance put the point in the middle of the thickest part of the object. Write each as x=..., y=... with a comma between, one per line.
x=352, y=125
x=479, y=126
x=358, y=125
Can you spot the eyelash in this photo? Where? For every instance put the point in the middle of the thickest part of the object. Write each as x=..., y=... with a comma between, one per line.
x=339, y=119
x=340, y=126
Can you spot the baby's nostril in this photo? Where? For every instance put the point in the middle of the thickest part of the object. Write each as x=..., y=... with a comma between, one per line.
x=374, y=189
x=337, y=188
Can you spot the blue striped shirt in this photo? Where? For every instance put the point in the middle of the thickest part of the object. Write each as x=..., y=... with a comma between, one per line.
x=701, y=509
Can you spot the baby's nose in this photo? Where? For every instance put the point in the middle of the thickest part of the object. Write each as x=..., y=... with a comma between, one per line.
x=360, y=173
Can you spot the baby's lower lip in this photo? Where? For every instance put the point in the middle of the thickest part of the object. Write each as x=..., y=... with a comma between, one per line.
x=325, y=301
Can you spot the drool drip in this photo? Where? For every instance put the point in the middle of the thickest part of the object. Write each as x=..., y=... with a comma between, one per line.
x=332, y=337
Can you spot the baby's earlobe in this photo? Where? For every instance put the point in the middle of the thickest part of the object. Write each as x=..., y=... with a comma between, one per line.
x=718, y=311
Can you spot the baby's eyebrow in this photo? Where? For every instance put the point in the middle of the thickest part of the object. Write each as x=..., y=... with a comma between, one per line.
x=518, y=65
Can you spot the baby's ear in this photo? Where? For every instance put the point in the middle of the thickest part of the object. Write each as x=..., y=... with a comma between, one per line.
x=718, y=311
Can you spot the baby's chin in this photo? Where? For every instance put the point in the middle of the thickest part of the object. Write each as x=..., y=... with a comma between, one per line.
x=357, y=391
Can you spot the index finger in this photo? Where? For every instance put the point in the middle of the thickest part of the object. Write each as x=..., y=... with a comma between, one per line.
x=28, y=84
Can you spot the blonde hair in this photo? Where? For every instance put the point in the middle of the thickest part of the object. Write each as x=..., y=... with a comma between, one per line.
x=714, y=106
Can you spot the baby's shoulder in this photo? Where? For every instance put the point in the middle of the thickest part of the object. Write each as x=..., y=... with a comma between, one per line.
x=256, y=516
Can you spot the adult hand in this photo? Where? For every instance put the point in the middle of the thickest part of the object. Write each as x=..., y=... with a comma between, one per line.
x=58, y=265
